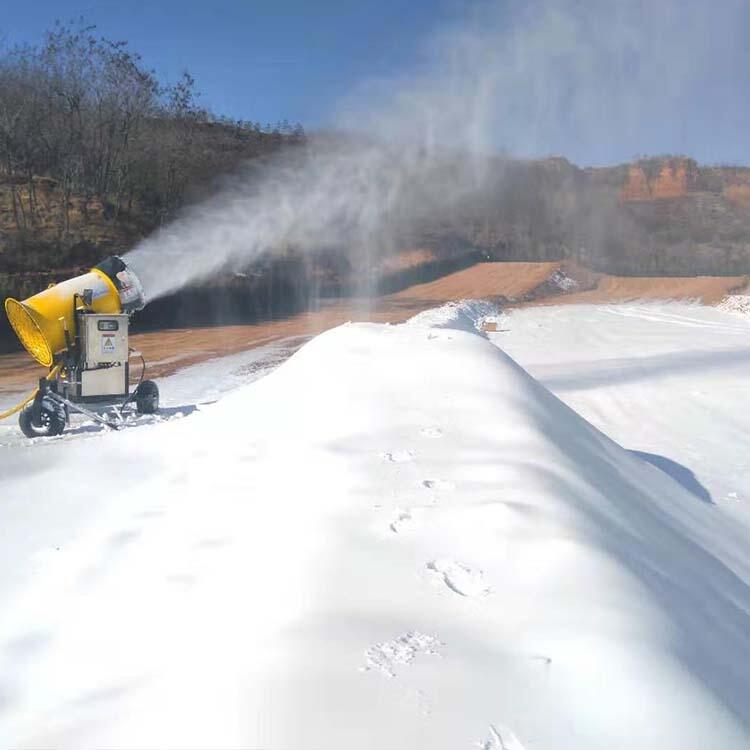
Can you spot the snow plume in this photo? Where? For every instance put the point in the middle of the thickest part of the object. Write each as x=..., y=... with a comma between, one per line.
x=595, y=81
x=353, y=197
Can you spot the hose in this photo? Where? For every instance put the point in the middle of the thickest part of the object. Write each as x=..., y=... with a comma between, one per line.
x=30, y=397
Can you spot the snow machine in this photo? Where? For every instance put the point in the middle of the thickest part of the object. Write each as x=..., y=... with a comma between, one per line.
x=79, y=330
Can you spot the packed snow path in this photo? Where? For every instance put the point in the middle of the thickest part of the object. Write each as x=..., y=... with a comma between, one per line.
x=397, y=539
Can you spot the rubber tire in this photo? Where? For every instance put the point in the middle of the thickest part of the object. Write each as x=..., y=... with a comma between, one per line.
x=53, y=416
x=147, y=397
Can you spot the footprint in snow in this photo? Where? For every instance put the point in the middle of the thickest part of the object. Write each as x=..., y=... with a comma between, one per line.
x=398, y=457
x=438, y=484
x=385, y=657
x=501, y=738
x=459, y=578
x=431, y=432
x=402, y=521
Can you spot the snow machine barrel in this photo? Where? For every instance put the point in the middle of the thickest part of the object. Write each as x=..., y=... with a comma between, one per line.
x=46, y=322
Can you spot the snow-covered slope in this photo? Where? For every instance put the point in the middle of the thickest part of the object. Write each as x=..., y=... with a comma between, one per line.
x=669, y=380
x=398, y=539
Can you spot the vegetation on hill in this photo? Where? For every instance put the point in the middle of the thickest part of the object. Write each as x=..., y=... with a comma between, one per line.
x=96, y=151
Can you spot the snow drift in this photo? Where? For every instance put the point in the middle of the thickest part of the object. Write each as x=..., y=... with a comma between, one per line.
x=739, y=304
x=398, y=539
x=464, y=315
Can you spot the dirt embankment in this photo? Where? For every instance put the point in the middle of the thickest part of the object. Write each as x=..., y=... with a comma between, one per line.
x=706, y=289
x=512, y=284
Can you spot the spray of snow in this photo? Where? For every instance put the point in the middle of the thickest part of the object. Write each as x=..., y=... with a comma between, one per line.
x=524, y=78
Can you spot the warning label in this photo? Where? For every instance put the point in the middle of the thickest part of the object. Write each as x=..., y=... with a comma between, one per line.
x=108, y=343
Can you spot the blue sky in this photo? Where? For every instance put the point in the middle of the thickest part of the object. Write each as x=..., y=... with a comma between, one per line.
x=297, y=59
x=260, y=60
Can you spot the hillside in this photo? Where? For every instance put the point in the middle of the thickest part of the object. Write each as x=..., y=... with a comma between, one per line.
x=686, y=217
x=45, y=229
x=658, y=217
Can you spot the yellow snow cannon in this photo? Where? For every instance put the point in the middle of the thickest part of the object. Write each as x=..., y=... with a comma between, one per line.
x=79, y=329
x=41, y=322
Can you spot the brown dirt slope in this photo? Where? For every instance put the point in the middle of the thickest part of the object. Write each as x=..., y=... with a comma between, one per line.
x=707, y=289
x=511, y=279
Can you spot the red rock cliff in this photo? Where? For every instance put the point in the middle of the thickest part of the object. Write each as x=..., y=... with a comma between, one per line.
x=674, y=178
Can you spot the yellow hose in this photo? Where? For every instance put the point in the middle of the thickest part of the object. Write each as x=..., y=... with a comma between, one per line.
x=29, y=398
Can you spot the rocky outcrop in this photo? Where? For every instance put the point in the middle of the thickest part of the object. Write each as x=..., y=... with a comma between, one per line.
x=659, y=179
x=636, y=188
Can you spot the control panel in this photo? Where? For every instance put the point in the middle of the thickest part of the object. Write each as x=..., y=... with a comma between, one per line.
x=104, y=339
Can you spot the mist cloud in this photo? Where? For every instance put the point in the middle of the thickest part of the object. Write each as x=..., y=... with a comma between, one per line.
x=527, y=79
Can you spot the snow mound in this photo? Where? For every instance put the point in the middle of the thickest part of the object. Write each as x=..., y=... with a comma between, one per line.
x=224, y=594
x=738, y=304
x=465, y=315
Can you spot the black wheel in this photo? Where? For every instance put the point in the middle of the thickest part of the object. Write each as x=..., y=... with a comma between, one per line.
x=52, y=419
x=147, y=397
